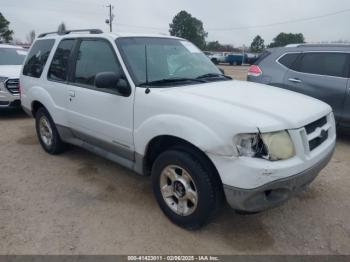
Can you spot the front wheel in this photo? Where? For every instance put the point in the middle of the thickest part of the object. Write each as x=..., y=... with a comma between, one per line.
x=184, y=189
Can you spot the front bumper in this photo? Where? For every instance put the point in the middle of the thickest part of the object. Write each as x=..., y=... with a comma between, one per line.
x=274, y=193
x=8, y=100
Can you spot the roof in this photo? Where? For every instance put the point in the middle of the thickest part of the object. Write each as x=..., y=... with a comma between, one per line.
x=316, y=45
x=96, y=32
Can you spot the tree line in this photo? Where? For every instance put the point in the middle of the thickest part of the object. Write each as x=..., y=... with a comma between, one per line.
x=186, y=26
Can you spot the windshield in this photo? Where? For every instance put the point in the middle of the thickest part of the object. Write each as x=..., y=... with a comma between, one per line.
x=12, y=56
x=166, y=59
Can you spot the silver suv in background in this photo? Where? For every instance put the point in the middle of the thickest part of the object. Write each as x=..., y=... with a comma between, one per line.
x=320, y=71
x=11, y=60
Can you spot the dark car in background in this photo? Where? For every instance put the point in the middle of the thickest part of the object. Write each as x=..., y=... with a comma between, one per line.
x=320, y=71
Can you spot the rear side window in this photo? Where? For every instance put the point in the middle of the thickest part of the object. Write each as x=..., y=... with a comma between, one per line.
x=288, y=60
x=328, y=64
x=59, y=65
x=37, y=58
x=95, y=56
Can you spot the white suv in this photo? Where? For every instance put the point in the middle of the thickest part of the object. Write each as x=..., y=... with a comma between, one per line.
x=11, y=60
x=159, y=106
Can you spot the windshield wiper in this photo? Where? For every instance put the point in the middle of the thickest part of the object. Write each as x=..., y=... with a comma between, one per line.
x=171, y=80
x=213, y=75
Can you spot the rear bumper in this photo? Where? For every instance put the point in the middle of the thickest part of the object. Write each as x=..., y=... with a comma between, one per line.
x=274, y=193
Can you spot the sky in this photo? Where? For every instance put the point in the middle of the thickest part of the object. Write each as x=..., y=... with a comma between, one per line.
x=221, y=18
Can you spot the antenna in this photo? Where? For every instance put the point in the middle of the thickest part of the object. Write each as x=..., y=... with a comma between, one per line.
x=146, y=63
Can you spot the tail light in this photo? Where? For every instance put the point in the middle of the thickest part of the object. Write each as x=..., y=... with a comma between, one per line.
x=254, y=70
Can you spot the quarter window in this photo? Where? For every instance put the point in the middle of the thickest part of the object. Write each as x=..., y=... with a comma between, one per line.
x=95, y=56
x=59, y=65
x=37, y=58
x=329, y=64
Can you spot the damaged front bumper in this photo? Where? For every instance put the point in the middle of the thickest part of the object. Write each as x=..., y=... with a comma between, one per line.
x=276, y=192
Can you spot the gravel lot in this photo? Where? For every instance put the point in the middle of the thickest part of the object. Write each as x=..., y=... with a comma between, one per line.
x=79, y=203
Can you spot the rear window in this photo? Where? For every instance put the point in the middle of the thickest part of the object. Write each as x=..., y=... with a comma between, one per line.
x=262, y=57
x=12, y=56
x=288, y=60
x=328, y=64
x=37, y=58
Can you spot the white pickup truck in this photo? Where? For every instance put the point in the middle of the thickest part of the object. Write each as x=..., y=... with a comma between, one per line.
x=159, y=106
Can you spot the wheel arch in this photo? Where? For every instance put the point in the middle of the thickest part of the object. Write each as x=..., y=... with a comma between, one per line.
x=162, y=143
x=35, y=107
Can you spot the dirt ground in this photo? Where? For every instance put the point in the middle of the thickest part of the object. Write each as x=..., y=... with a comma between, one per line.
x=79, y=203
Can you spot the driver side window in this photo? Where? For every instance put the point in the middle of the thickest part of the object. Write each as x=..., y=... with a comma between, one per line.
x=94, y=56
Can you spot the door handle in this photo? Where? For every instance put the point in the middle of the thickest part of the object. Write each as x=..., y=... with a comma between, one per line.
x=294, y=80
x=71, y=93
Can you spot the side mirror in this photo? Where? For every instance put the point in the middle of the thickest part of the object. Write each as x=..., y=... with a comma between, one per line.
x=112, y=80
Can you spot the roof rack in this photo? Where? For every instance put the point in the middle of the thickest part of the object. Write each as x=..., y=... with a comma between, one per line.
x=91, y=31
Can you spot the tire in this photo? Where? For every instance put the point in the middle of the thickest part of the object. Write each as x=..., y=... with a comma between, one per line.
x=47, y=133
x=185, y=212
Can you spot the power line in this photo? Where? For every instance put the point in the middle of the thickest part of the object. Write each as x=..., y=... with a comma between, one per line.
x=281, y=23
x=253, y=26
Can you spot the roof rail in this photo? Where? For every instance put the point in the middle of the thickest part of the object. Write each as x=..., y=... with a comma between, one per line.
x=91, y=31
x=317, y=45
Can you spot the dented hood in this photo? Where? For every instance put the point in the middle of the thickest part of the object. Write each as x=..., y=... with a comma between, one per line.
x=262, y=106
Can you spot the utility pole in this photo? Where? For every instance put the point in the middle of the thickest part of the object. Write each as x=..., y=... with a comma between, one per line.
x=111, y=17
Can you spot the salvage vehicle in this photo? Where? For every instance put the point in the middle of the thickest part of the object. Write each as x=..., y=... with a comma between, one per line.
x=158, y=106
x=11, y=59
x=318, y=70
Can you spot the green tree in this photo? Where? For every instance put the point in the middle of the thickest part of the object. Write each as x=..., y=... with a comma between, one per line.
x=217, y=47
x=186, y=26
x=258, y=45
x=5, y=33
x=61, y=28
x=284, y=39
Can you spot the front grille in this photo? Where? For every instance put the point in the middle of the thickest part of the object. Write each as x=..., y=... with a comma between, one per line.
x=310, y=128
x=12, y=86
x=316, y=139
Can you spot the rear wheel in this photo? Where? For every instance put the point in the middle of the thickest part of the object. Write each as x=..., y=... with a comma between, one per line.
x=184, y=189
x=47, y=132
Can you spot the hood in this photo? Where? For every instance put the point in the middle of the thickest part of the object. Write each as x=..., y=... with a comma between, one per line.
x=10, y=71
x=266, y=107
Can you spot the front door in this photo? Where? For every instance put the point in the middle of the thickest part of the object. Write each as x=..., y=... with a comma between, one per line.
x=101, y=117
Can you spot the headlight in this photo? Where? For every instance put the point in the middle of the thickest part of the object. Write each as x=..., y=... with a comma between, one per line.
x=279, y=145
x=2, y=79
x=272, y=146
x=250, y=145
